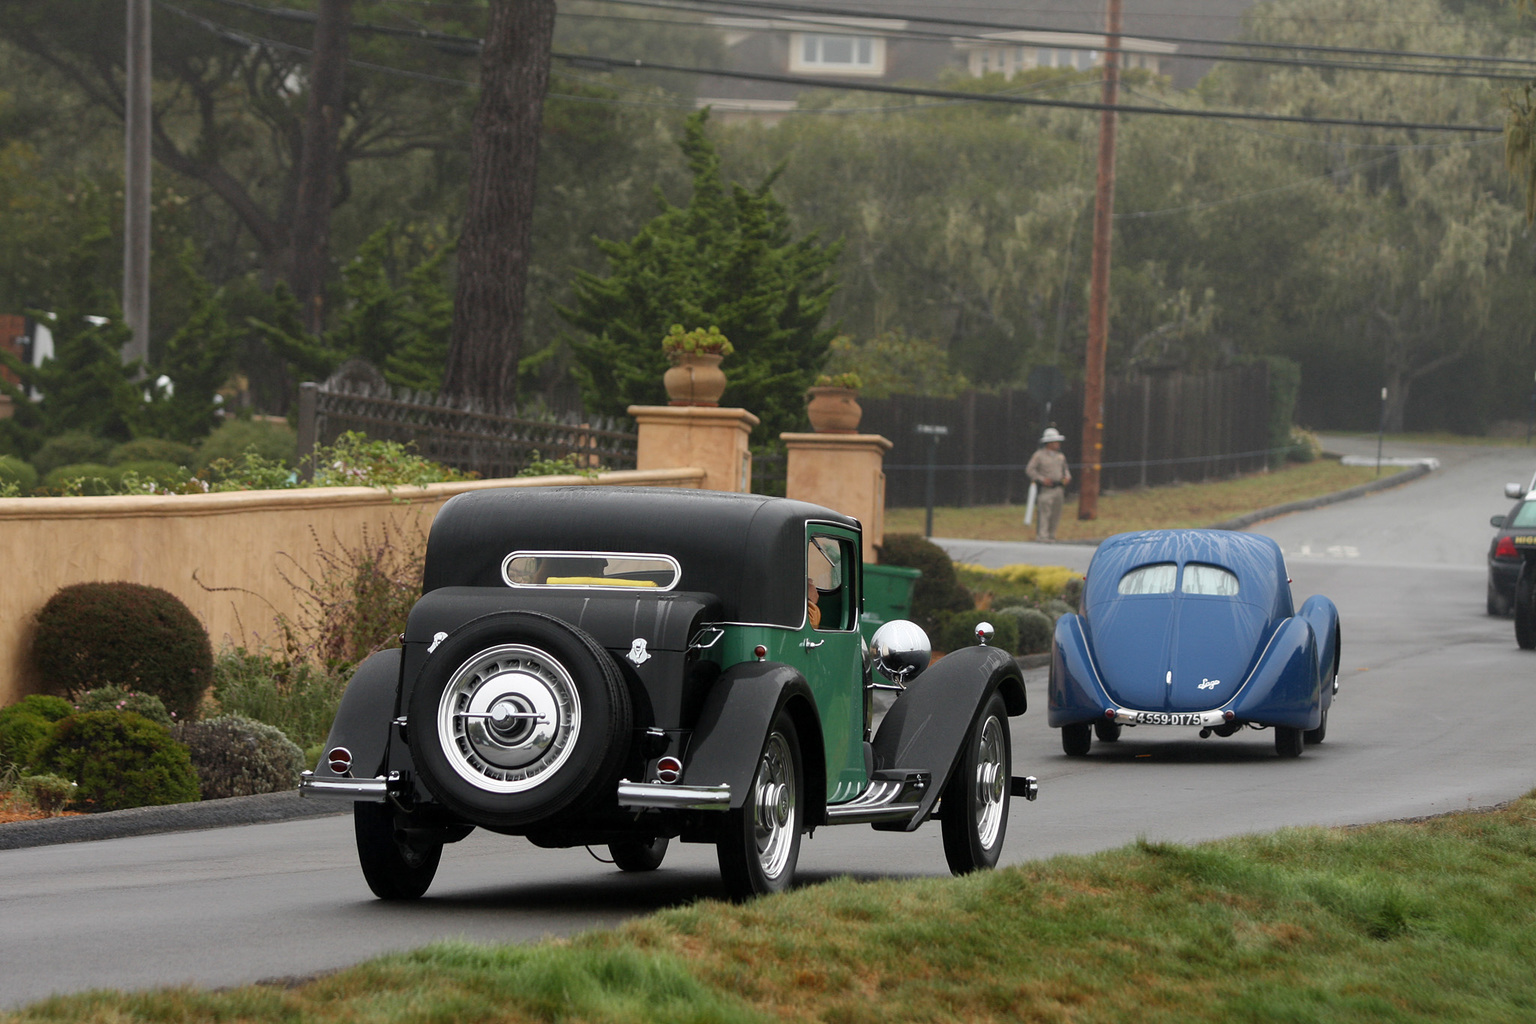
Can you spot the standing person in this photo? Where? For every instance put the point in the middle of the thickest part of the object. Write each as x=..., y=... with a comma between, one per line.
x=1048, y=469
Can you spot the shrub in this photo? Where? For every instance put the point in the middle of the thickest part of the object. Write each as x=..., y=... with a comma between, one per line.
x=1034, y=627
x=939, y=590
x=123, y=634
x=248, y=471
x=273, y=441
x=357, y=601
x=1056, y=608
x=92, y=479
x=357, y=461
x=957, y=629
x=48, y=793
x=72, y=446
x=235, y=756
x=118, y=759
x=297, y=697
x=152, y=449
x=26, y=724
x=165, y=475
x=119, y=698
x=21, y=474
x=564, y=466
x=1305, y=447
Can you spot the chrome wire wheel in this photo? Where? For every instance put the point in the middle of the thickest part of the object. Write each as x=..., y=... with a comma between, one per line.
x=774, y=818
x=973, y=815
x=508, y=718
x=992, y=770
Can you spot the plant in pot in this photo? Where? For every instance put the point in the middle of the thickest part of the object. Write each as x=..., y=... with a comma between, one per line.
x=832, y=404
x=695, y=377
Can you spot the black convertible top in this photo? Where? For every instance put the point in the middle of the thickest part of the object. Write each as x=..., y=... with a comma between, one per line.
x=746, y=549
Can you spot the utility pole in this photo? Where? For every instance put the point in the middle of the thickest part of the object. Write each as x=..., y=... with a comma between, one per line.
x=136, y=183
x=1098, y=296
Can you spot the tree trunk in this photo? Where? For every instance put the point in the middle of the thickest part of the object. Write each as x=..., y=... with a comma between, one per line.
x=317, y=163
x=489, y=307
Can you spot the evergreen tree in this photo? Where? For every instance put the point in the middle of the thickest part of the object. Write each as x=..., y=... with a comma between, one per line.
x=728, y=260
x=195, y=362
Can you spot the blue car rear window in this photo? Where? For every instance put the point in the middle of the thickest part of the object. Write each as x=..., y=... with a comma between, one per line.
x=1150, y=579
x=1211, y=580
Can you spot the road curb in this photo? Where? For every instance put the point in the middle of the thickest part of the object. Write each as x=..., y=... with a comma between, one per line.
x=141, y=821
x=1358, y=491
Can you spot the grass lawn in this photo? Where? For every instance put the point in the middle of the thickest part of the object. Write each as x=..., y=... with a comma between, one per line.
x=1152, y=508
x=1428, y=921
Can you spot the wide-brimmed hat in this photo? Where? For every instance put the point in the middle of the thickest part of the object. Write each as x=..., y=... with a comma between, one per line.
x=1052, y=434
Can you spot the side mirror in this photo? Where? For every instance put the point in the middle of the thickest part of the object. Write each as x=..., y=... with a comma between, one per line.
x=900, y=650
x=1514, y=491
x=1497, y=522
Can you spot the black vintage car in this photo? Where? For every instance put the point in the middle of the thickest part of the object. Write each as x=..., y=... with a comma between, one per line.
x=627, y=666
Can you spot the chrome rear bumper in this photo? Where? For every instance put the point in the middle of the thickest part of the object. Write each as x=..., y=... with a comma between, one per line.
x=662, y=796
x=375, y=790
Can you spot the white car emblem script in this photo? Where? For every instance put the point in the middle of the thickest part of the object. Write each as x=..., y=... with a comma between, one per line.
x=1209, y=684
x=637, y=652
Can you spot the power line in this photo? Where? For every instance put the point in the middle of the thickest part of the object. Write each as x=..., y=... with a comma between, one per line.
x=469, y=45
x=613, y=63
x=867, y=12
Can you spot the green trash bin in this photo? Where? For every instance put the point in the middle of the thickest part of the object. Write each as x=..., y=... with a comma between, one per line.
x=887, y=595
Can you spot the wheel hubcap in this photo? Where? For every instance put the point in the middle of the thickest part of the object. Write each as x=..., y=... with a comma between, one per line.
x=508, y=718
x=774, y=804
x=991, y=782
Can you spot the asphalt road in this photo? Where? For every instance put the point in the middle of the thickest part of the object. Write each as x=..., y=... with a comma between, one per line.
x=1430, y=718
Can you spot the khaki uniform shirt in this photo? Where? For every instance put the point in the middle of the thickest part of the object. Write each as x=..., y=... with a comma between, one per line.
x=1047, y=467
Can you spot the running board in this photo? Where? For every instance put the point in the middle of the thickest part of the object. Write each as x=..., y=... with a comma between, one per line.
x=893, y=795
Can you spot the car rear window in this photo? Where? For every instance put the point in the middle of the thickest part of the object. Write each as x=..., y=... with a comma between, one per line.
x=590, y=569
x=1525, y=515
x=1150, y=579
x=1211, y=580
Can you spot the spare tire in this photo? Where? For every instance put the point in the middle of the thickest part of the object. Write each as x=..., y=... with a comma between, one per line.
x=516, y=717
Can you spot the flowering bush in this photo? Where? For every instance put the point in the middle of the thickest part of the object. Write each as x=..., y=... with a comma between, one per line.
x=848, y=380
x=356, y=461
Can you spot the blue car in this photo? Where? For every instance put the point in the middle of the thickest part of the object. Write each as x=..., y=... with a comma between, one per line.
x=1193, y=629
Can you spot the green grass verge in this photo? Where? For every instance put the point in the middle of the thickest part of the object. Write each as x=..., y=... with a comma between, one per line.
x=1428, y=921
x=1151, y=508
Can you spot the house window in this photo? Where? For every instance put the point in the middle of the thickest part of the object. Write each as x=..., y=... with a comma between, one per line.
x=859, y=55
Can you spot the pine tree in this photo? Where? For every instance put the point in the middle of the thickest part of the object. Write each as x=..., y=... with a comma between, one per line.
x=727, y=259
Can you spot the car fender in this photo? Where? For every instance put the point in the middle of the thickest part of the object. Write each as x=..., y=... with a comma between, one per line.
x=1324, y=619
x=363, y=717
x=1074, y=693
x=926, y=728
x=1284, y=687
x=733, y=725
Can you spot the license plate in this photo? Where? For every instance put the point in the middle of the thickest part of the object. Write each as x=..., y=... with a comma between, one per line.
x=1165, y=718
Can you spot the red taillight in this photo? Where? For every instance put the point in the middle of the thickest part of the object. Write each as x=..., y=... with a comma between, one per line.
x=1506, y=548
x=669, y=769
x=1109, y=713
x=340, y=760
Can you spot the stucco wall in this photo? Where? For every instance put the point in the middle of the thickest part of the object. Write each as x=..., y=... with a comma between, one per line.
x=222, y=554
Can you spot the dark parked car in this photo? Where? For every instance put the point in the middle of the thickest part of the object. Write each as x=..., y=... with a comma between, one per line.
x=1504, y=558
x=1193, y=629
x=596, y=666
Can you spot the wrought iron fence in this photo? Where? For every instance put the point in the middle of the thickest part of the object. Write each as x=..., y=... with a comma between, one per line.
x=494, y=446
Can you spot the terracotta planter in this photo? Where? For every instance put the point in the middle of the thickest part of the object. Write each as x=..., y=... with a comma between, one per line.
x=695, y=379
x=834, y=410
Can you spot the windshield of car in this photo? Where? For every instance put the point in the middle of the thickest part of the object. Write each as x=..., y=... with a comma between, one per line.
x=1211, y=580
x=1150, y=579
x=589, y=569
x=1525, y=515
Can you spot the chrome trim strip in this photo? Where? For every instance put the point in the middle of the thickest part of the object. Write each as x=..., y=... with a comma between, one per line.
x=375, y=790
x=665, y=797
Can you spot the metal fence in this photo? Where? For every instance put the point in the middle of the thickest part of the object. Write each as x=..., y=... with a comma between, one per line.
x=1157, y=430
x=494, y=446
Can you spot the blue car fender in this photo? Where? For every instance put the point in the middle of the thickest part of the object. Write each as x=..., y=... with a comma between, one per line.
x=1324, y=618
x=363, y=717
x=926, y=728
x=733, y=726
x=1074, y=692
x=1284, y=688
